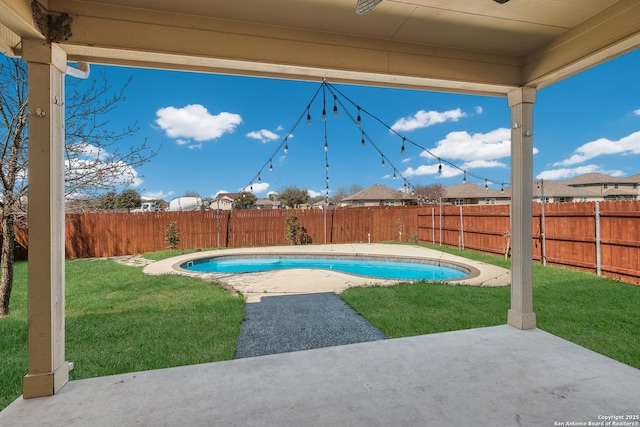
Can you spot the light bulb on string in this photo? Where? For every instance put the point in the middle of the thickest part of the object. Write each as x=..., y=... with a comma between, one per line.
x=270, y=166
x=464, y=177
x=502, y=188
x=324, y=115
x=326, y=166
x=259, y=180
x=326, y=146
x=335, y=107
x=394, y=174
x=363, y=144
x=402, y=149
x=358, y=119
x=486, y=184
x=382, y=162
x=308, y=117
x=286, y=148
x=440, y=167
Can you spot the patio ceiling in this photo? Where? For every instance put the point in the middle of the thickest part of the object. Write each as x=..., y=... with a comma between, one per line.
x=477, y=46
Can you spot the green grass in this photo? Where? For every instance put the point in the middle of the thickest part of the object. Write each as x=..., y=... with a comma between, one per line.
x=594, y=312
x=121, y=320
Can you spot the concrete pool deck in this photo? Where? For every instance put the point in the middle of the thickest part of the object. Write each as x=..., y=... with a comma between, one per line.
x=253, y=286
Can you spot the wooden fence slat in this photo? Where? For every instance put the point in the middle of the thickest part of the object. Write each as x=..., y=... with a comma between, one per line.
x=569, y=231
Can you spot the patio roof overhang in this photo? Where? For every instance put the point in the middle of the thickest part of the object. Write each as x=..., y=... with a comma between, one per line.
x=473, y=47
x=480, y=47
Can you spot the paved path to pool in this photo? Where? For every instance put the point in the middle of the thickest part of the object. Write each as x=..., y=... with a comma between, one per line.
x=280, y=324
x=254, y=286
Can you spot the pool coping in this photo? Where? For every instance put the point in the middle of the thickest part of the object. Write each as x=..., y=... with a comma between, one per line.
x=296, y=281
x=471, y=272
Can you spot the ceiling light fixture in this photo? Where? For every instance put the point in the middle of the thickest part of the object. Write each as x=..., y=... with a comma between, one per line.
x=365, y=6
x=501, y=1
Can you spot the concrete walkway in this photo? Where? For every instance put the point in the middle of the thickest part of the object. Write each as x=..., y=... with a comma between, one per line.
x=280, y=324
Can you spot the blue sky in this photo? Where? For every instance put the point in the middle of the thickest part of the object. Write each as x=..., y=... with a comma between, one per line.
x=220, y=133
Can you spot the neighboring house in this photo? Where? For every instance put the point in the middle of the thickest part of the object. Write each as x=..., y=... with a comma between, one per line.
x=267, y=204
x=474, y=194
x=604, y=187
x=223, y=201
x=590, y=187
x=378, y=195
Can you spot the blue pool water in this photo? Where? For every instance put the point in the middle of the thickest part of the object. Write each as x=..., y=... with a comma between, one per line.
x=361, y=267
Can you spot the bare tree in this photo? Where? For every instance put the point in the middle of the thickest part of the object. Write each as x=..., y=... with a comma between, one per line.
x=429, y=194
x=94, y=162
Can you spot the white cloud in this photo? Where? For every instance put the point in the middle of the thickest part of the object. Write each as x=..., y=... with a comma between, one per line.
x=637, y=112
x=474, y=164
x=111, y=173
x=182, y=141
x=423, y=119
x=195, y=122
x=155, y=195
x=447, y=171
x=195, y=146
x=313, y=193
x=87, y=151
x=461, y=145
x=479, y=110
x=626, y=146
x=407, y=160
x=263, y=135
x=256, y=187
x=566, y=173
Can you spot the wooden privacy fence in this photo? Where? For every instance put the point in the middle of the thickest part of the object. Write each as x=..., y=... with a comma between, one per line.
x=110, y=234
x=600, y=237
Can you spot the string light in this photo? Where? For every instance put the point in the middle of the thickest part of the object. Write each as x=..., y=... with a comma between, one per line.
x=337, y=101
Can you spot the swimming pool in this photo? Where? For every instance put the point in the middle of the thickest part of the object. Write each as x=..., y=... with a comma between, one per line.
x=368, y=266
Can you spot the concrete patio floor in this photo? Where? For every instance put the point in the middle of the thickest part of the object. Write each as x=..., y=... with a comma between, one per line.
x=496, y=376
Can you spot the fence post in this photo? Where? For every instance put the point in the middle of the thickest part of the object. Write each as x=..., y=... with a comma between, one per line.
x=598, y=254
x=433, y=226
x=461, y=229
x=440, y=221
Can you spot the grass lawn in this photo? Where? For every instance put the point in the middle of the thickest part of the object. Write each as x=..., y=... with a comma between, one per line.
x=121, y=320
x=594, y=312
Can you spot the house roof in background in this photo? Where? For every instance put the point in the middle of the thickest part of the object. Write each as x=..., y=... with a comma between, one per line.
x=469, y=190
x=378, y=192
